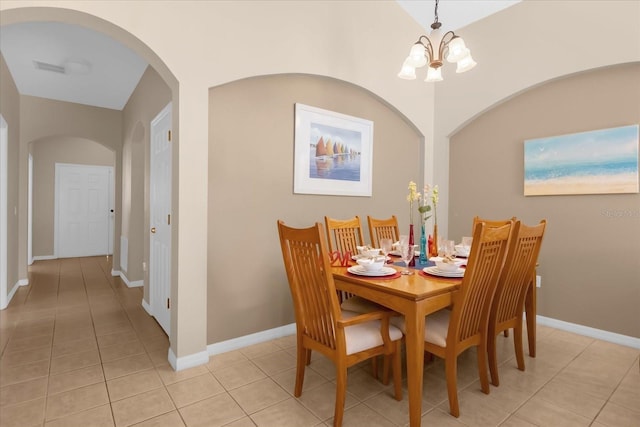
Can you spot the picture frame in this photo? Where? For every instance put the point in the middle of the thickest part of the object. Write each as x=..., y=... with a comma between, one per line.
x=333, y=153
x=603, y=161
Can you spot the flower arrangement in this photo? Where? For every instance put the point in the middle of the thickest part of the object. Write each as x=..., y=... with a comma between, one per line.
x=425, y=208
x=412, y=197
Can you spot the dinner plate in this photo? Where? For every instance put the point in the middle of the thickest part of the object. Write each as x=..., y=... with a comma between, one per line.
x=461, y=252
x=437, y=272
x=360, y=271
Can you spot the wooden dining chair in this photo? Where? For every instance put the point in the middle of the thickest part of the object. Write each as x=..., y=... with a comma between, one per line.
x=449, y=332
x=344, y=234
x=383, y=229
x=344, y=337
x=511, y=291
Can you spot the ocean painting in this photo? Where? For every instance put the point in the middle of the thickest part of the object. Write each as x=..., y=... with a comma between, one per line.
x=597, y=162
x=334, y=153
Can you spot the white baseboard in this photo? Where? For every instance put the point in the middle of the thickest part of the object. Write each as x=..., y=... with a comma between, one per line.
x=247, y=340
x=186, y=362
x=44, y=257
x=134, y=284
x=147, y=307
x=589, y=332
x=14, y=289
x=115, y=273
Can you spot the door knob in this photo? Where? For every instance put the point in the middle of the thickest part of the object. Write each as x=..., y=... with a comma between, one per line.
x=153, y=230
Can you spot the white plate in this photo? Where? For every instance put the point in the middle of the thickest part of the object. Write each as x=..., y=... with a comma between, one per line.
x=458, y=261
x=436, y=272
x=360, y=271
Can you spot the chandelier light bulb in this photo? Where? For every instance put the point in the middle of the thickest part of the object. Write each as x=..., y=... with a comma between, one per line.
x=465, y=64
x=408, y=71
x=417, y=57
x=434, y=74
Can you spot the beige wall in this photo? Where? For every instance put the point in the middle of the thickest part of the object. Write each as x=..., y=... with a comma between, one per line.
x=363, y=43
x=10, y=110
x=46, y=153
x=584, y=232
x=251, y=186
x=150, y=96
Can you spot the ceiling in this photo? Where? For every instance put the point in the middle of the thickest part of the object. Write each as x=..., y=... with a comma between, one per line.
x=70, y=63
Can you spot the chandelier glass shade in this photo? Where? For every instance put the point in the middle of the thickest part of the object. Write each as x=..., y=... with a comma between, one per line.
x=430, y=50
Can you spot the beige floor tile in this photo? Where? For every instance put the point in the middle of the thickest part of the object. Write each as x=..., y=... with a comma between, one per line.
x=628, y=392
x=120, y=351
x=362, y=385
x=130, y=385
x=96, y=417
x=21, y=392
x=259, y=395
x=117, y=338
x=169, y=376
x=77, y=400
x=287, y=380
x=25, y=414
x=614, y=415
x=242, y=422
x=514, y=421
x=126, y=366
x=73, y=361
x=75, y=379
x=28, y=343
x=572, y=397
x=387, y=406
x=477, y=409
x=142, y=407
x=275, y=362
x=194, y=389
x=223, y=360
x=362, y=415
x=440, y=418
x=170, y=419
x=287, y=413
x=239, y=374
x=540, y=412
x=215, y=411
x=25, y=372
x=258, y=350
x=74, y=346
x=321, y=400
x=18, y=358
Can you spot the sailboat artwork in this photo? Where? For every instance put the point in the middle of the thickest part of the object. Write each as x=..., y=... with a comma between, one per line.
x=335, y=153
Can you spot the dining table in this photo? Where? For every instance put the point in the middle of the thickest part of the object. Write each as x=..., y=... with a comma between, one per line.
x=415, y=296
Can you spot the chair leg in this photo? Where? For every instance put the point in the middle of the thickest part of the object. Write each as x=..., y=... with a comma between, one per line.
x=302, y=356
x=374, y=367
x=517, y=343
x=341, y=392
x=493, y=358
x=482, y=368
x=308, y=357
x=451, y=370
x=506, y=333
x=397, y=370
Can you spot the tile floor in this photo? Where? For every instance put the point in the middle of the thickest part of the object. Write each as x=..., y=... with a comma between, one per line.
x=79, y=350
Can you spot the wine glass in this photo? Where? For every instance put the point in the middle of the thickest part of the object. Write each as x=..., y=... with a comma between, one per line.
x=385, y=247
x=406, y=252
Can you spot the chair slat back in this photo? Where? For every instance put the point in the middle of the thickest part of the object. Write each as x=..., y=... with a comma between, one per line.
x=383, y=229
x=344, y=234
x=311, y=283
x=518, y=271
x=470, y=314
x=491, y=222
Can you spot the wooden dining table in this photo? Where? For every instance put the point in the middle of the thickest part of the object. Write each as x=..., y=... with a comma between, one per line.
x=415, y=296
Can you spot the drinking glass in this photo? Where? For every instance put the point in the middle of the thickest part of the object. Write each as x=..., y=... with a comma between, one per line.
x=449, y=250
x=466, y=243
x=385, y=247
x=406, y=252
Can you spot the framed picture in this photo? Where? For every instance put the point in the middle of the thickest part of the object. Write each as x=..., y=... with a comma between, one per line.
x=596, y=162
x=333, y=153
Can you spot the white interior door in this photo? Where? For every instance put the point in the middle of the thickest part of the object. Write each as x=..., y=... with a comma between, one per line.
x=4, y=176
x=82, y=210
x=160, y=219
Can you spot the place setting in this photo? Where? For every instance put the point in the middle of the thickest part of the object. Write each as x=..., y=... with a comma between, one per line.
x=451, y=260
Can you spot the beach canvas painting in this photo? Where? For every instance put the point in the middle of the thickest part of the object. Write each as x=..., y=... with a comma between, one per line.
x=597, y=162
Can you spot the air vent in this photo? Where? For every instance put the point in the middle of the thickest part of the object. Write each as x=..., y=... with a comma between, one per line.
x=49, y=67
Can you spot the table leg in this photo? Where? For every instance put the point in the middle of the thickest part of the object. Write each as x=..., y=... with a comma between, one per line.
x=530, y=311
x=415, y=364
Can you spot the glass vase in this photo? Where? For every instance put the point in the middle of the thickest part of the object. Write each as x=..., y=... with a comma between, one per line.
x=434, y=247
x=412, y=263
x=424, y=256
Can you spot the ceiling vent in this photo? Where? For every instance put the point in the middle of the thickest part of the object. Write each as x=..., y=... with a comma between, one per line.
x=49, y=67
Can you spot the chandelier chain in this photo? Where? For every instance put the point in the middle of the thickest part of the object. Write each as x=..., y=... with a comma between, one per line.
x=436, y=11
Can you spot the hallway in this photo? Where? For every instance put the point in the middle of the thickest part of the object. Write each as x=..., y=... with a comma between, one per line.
x=79, y=350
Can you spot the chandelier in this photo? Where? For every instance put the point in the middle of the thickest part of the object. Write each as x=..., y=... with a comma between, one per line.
x=432, y=49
